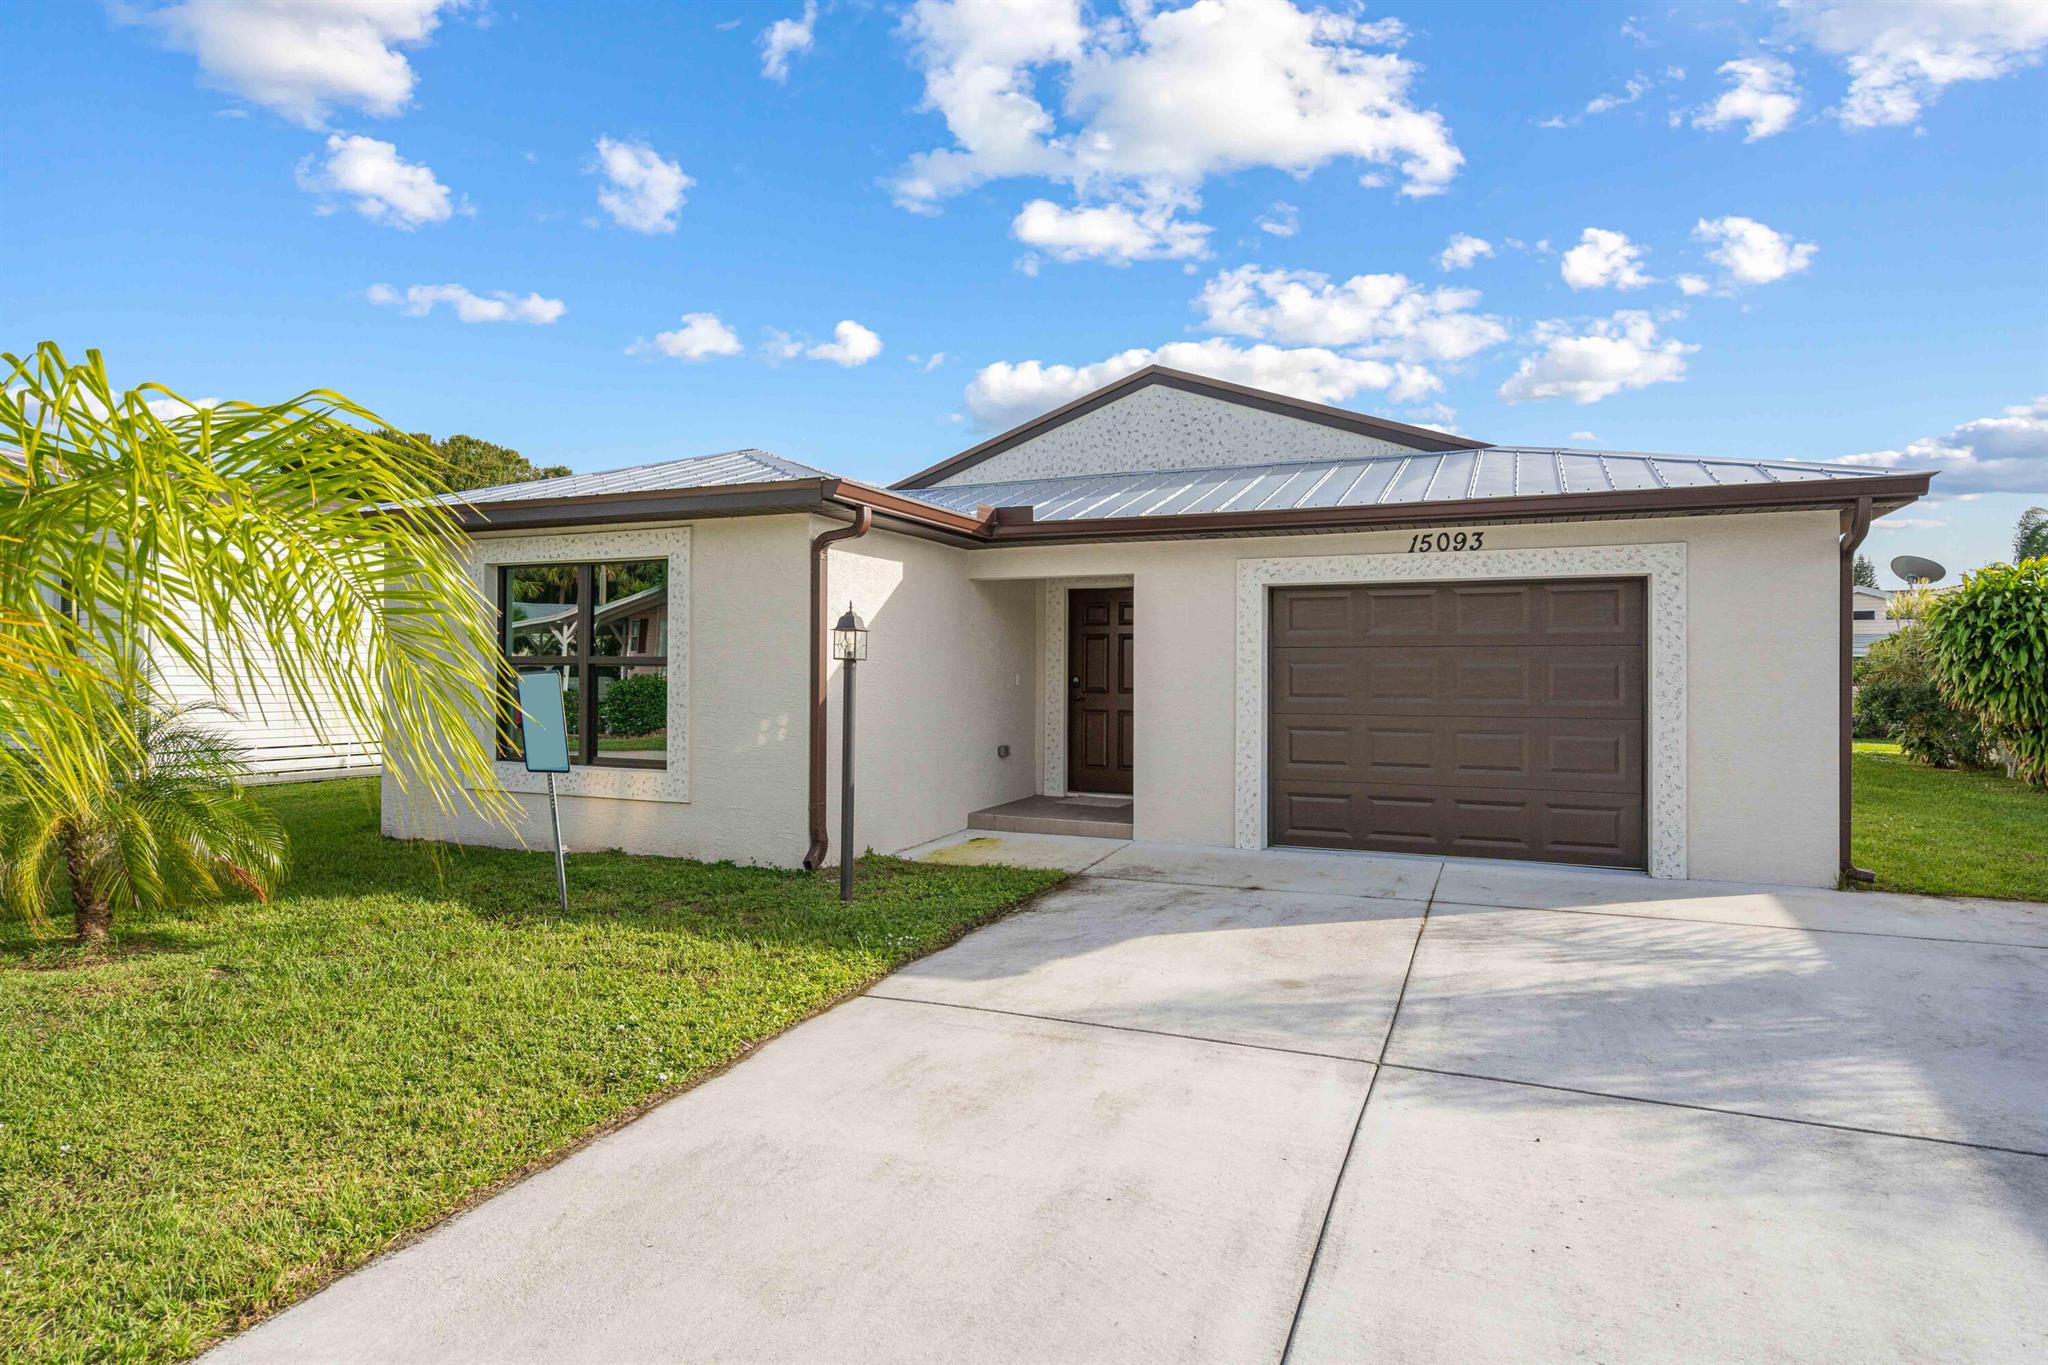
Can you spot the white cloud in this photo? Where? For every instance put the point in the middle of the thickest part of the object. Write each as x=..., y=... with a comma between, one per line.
x=701, y=337
x=1281, y=220
x=1903, y=53
x=2003, y=454
x=1384, y=316
x=1690, y=285
x=1631, y=91
x=1007, y=392
x=1611, y=354
x=1638, y=86
x=1462, y=250
x=1749, y=252
x=1115, y=233
x=852, y=345
x=1586, y=436
x=499, y=306
x=927, y=363
x=1156, y=100
x=786, y=38
x=301, y=58
x=385, y=186
x=1604, y=259
x=1761, y=93
x=641, y=190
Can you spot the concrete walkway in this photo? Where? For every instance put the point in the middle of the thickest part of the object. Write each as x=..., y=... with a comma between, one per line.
x=1200, y=1105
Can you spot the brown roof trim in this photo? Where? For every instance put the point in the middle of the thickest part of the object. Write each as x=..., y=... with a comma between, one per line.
x=590, y=509
x=722, y=500
x=1889, y=492
x=1010, y=526
x=895, y=504
x=1419, y=438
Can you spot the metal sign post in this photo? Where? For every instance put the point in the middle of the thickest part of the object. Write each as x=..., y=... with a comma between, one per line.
x=544, y=733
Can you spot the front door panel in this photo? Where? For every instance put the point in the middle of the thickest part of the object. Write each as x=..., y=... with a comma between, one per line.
x=1101, y=738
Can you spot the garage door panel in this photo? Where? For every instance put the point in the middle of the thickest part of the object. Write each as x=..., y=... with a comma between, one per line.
x=1486, y=719
x=1533, y=681
x=1561, y=754
x=1587, y=611
x=1601, y=829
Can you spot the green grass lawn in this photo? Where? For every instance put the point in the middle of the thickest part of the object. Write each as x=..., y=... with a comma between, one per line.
x=243, y=1101
x=1945, y=832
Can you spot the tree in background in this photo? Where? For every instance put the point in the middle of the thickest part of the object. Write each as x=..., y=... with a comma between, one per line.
x=1989, y=641
x=1866, y=573
x=139, y=532
x=463, y=462
x=2030, y=537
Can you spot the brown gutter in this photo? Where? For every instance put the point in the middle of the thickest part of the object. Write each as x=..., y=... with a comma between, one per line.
x=1859, y=526
x=1008, y=527
x=821, y=840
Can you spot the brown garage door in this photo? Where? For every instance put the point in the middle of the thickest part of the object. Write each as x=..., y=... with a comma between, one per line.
x=1493, y=720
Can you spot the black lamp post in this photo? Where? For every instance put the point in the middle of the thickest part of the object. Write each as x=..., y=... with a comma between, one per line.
x=849, y=647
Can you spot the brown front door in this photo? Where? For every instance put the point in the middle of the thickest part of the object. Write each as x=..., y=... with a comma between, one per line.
x=1493, y=720
x=1100, y=740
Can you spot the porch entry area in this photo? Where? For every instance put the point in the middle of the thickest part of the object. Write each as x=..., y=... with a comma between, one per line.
x=1090, y=717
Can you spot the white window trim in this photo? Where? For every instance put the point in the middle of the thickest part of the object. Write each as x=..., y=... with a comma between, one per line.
x=1052, y=772
x=670, y=783
x=1662, y=565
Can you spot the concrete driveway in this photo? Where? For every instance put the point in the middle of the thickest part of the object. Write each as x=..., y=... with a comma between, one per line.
x=1212, y=1106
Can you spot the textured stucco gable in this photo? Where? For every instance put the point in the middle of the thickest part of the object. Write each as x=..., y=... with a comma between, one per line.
x=1160, y=427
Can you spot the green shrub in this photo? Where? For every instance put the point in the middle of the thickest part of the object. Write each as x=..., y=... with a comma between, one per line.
x=1900, y=697
x=1989, y=643
x=634, y=706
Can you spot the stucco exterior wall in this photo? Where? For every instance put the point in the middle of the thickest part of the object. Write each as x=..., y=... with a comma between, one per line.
x=745, y=669
x=1762, y=635
x=952, y=673
x=1157, y=427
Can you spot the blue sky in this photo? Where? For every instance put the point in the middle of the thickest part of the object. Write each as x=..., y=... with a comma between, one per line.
x=870, y=236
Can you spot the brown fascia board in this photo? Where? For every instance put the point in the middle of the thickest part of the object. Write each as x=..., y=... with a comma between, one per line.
x=1888, y=492
x=724, y=500
x=603, y=509
x=1419, y=438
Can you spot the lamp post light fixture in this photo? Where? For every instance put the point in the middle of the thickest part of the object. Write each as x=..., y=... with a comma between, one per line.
x=849, y=647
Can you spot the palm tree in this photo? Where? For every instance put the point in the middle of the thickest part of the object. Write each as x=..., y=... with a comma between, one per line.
x=298, y=543
x=2030, y=537
x=168, y=823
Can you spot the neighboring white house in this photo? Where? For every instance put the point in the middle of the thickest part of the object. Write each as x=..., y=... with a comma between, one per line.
x=1871, y=618
x=281, y=741
x=1229, y=617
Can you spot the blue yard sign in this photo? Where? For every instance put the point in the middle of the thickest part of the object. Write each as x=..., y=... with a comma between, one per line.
x=545, y=738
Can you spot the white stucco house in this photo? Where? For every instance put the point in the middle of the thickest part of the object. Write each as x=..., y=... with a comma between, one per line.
x=1203, y=614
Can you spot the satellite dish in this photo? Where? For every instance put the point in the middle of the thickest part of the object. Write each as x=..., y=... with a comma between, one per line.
x=1914, y=569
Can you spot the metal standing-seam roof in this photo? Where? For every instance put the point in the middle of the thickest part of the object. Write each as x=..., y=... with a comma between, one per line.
x=1420, y=477
x=697, y=471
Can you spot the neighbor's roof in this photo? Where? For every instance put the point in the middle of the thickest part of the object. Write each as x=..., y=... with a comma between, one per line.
x=697, y=471
x=1379, y=480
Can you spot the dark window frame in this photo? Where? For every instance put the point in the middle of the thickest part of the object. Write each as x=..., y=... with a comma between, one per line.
x=1869, y=614
x=582, y=664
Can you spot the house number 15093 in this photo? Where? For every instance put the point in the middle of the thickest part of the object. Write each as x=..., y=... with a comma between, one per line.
x=1426, y=543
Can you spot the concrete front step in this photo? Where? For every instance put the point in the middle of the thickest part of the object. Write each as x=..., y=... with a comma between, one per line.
x=1091, y=816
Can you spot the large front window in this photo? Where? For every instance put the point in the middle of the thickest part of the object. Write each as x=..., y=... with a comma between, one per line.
x=604, y=628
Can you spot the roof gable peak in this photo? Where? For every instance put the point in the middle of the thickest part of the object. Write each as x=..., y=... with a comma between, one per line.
x=1220, y=411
